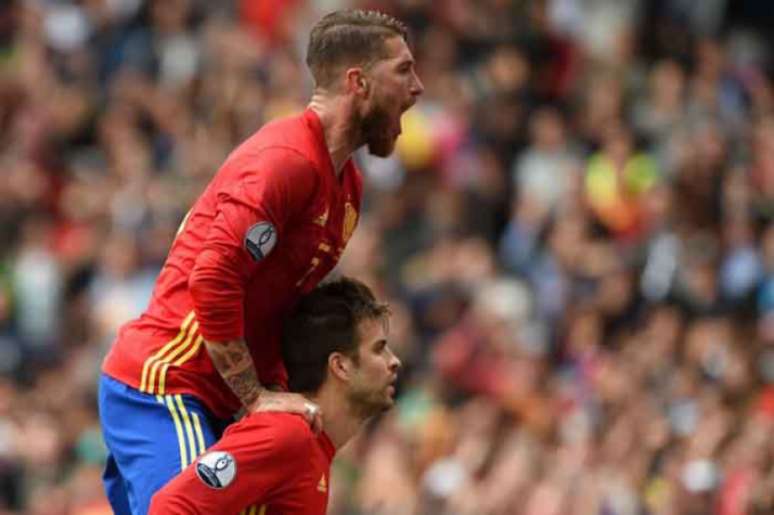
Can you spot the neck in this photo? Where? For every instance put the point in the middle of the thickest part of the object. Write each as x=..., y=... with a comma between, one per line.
x=335, y=116
x=340, y=421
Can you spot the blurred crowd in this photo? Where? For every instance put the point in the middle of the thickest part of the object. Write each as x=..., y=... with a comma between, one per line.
x=576, y=236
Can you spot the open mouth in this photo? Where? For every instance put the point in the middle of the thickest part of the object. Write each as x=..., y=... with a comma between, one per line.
x=391, y=386
x=405, y=107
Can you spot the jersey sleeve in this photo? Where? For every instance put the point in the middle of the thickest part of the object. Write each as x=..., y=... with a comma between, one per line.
x=266, y=458
x=253, y=213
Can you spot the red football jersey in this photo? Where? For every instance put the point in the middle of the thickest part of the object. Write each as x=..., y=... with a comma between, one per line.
x=270, y=225
x=265, y=464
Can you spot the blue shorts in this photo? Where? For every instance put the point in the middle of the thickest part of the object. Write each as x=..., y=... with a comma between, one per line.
x=150, y=439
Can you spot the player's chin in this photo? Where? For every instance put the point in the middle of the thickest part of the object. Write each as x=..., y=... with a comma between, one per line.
x=389, y=396
x=387, y=405
x=383, y=147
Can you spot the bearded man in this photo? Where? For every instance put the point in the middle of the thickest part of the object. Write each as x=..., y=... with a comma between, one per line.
x=271, y=224
x=272, y=463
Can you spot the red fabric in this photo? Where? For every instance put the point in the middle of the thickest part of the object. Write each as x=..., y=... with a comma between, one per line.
x=271, y=19
x=280, y=464
x=735, y=492
x=766, y=402
x=464, y=358
x=282, y=175
x=223, y=267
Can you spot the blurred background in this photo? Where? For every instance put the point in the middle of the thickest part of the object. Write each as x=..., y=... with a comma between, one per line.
x=576, y=235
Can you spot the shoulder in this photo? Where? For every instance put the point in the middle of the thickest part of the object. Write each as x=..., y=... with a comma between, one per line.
x=279, y=158
x=273, y=168
x=289, y=134
x=287, y=433
x=281, y=441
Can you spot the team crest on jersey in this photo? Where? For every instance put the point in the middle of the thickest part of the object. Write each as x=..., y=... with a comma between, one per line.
x=350, y=222
x=216, y=469
x=260, y=240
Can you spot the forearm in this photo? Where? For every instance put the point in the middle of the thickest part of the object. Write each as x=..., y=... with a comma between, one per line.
x=235, y=365
x=233, y=361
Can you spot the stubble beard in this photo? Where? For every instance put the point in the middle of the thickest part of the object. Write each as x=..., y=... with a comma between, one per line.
x=375, y=132
x=368, y=404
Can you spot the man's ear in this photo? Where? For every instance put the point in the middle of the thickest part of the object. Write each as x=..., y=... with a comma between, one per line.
x=340, y=366
x=356, y=81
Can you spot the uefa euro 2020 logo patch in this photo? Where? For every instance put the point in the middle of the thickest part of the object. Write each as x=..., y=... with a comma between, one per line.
x=260, y=240
x=216, y=469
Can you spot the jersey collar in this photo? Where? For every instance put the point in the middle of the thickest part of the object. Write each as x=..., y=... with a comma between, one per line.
x=312, y=121
x=327, y=445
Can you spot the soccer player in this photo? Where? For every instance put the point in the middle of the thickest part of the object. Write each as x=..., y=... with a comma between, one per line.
x=270, y=225
x=272, y=463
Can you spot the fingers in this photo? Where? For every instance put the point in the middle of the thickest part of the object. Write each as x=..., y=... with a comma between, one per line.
x=310, y=410
x=317, y=424
x=291, y=403
x=313, y=415
x=279, y=401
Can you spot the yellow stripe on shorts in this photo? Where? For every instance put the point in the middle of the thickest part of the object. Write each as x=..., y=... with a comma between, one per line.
x=170, y=403
x=189, y=430
x=198, y=430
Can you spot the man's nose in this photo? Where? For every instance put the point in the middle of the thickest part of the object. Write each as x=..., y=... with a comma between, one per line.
x=395, y=363
x=417, y=87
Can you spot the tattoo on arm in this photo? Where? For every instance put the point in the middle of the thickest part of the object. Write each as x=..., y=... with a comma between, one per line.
x=233, y=361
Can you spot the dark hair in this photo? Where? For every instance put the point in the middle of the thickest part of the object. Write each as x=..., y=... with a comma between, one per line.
x=326, y=321
x=349, y=37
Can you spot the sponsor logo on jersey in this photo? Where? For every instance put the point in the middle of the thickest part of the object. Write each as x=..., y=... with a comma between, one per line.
x=216, y=469
x=260, y=240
